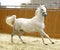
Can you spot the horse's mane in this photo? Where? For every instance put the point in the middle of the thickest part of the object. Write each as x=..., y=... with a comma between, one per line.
x=36, y=12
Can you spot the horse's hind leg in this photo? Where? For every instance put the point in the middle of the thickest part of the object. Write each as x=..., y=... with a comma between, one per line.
x=21, y=39
x=13, y=33
x=12, y=38
x=19, y=35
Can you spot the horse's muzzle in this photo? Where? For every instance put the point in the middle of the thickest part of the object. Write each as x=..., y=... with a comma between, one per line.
x=44, y=14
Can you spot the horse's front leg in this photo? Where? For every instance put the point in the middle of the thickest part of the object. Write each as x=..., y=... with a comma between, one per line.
x=44, y=34
x=43, y=40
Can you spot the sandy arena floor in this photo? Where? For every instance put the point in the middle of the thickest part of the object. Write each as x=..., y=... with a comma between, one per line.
x=32, y=43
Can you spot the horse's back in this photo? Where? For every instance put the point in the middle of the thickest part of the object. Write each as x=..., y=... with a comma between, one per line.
x=24, y=24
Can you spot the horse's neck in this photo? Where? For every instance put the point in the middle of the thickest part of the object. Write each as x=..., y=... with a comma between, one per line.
x=39, y=18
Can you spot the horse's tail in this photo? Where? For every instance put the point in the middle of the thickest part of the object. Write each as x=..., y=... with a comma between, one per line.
x=10, y=20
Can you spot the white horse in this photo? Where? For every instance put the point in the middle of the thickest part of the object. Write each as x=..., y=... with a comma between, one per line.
x=35, y=24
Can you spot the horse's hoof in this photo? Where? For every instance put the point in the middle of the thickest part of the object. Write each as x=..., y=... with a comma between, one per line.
x=13, y=43
x=24, y=42
x=46, y=44
x=52, y=42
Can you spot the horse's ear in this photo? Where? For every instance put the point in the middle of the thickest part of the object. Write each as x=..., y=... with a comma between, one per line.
x=42, y=5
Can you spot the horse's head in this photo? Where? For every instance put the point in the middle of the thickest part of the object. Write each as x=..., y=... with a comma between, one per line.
x=41, y=9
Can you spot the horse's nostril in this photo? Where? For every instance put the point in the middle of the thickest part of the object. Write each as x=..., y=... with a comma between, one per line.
x=44, y=14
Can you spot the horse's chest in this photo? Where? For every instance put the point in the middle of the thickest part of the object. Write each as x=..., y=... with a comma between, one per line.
x=40, y=25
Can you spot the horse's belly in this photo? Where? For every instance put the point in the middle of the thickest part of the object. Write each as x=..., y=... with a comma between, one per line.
x=28, y=28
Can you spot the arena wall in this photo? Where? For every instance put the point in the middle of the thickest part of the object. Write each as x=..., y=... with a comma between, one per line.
x=52, y=21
